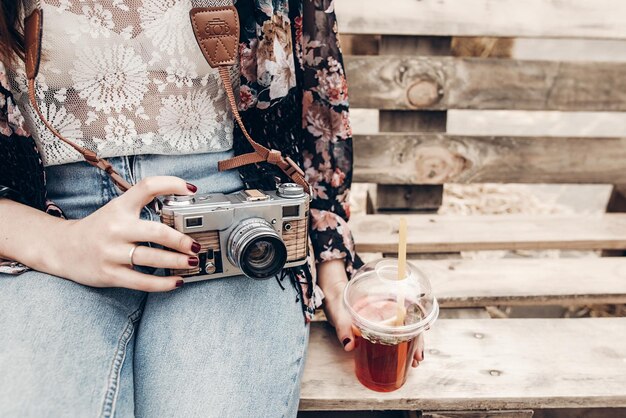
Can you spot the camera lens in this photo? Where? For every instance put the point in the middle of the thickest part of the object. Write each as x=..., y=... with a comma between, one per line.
x=256, y=248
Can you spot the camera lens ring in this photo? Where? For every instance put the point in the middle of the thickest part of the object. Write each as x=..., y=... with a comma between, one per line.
x=256, y=249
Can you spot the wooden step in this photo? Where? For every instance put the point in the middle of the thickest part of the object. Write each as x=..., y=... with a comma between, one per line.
x=488, y=364
x=476, y=283
x=604, y=19
x=439, y=83
x=418, y=158
x=433, y=234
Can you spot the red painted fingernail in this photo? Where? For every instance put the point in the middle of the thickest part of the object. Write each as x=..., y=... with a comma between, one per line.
x=179, y=283
x=191, y=188
x=193, y=261
x=196, y=247
x=346, y=341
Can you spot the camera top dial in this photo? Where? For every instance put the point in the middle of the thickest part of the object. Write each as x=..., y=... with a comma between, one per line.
x=290, y=190
x=175, y=200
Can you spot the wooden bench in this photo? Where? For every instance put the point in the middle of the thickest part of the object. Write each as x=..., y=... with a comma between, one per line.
x=400, y=62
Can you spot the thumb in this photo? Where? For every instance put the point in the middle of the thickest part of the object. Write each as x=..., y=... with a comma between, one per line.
x=343, y=328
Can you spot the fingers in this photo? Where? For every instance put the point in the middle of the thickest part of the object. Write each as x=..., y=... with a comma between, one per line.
x=158, y=233
x=418, y=356
x=132, y=279
x=154, y=257
x=147, y=189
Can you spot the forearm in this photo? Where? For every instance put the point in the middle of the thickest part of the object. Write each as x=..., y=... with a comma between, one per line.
x=28, y=235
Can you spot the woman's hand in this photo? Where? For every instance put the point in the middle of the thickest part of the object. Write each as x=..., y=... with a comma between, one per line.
x=332, y=279
x=96, y=250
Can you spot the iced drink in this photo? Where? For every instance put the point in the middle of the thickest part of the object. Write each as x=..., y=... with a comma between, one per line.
x=385, y=345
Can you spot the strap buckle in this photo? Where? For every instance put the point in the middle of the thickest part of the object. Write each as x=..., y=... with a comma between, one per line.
x=293, y=167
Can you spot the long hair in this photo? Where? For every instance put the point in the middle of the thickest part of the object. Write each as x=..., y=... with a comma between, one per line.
x=11, y=30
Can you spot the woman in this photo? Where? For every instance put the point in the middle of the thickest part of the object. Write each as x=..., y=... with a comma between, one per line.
x=126, y=79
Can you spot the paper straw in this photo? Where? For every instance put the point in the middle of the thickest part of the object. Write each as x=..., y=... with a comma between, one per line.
x=401, y=311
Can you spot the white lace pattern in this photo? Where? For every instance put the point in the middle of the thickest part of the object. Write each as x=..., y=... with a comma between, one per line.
x=124, y=77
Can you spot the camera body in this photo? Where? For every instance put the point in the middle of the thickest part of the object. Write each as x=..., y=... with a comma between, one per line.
x=250, y=232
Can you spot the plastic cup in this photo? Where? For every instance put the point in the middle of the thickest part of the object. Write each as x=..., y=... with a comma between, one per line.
x=385, y=343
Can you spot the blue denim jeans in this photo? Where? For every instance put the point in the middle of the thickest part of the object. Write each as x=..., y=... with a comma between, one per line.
x=230, y=347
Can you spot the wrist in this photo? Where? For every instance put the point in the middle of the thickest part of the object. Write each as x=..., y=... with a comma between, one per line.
x=55, y=244
x=332, y=278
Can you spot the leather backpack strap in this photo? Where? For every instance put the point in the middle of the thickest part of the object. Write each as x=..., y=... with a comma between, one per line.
x=217, y=32
x=33, y=30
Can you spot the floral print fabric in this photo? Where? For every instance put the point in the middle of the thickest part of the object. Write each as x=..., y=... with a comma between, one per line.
x=293, y=97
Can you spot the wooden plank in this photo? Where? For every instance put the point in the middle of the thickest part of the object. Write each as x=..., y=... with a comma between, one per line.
x=485, y=364
x=438, y=83
x=523, y=282
x=602, y=19
x=408, y=197
x=431, y=158
x=431, y=233
x=474, y=414
x=445, y=313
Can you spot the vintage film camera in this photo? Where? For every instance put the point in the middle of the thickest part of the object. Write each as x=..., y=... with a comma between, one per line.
x=251, y=232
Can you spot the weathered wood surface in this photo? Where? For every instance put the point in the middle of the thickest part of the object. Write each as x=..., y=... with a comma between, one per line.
x=602, y=19
x=484, y=365
x=406, y=198
x=437, y=83
x=411, y=197
x=490, y=414
x=430, y=158
x=522, y=282
x=475, y=283
x=445, y=313
x=432, y=233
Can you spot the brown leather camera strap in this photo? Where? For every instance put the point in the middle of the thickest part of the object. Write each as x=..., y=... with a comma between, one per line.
x=217, y=32
x=33, y=28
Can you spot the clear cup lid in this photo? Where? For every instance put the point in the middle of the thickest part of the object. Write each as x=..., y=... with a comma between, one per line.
x=383, y=304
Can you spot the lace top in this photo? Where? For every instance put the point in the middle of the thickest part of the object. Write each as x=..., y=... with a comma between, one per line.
x=124, y=77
